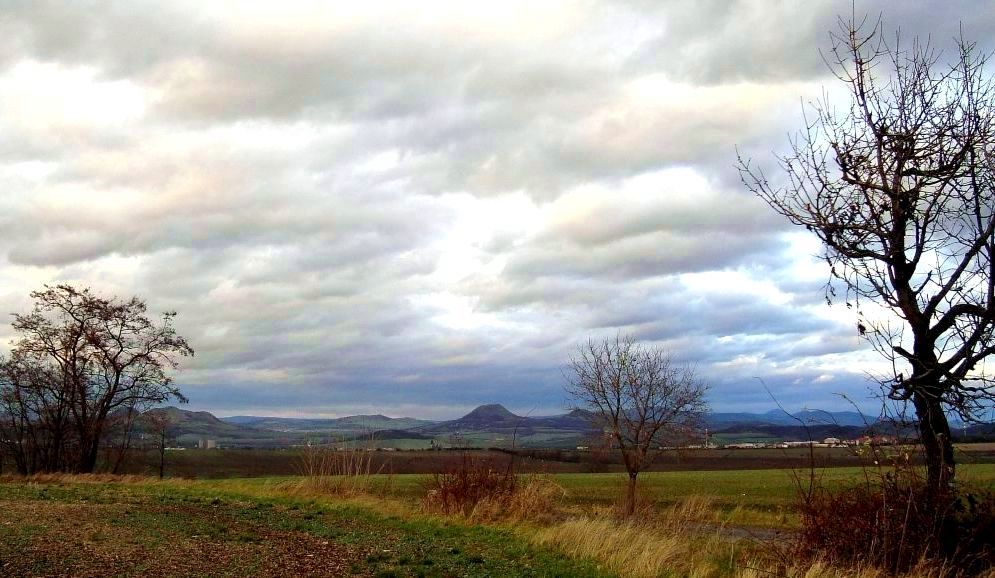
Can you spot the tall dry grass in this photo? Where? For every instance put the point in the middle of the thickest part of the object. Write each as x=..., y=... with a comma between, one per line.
x=683, y=540
x=326, y=470
x=478, y=491
x=535, y=500
x=686, y=540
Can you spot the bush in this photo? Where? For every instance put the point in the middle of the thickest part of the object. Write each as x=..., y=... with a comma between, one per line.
x=478, y=490
x=895, y=523
x=533, y=499
x=458, y=491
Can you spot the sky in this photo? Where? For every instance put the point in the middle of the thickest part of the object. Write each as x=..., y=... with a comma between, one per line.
x=413, y=208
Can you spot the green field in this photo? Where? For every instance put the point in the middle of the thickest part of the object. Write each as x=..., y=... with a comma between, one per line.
x=748, y=497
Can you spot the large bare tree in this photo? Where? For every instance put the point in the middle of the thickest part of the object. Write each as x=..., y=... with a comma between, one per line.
x=80, y=357
x=642, y=398
x=897, y=182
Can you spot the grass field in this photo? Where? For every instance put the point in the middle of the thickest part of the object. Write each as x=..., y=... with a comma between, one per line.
x=278, y=526
x=761, y=498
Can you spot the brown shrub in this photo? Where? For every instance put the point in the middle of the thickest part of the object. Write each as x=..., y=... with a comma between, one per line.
x=459, y=490
x=479, y=490
x=533, y=499
x=894, y=523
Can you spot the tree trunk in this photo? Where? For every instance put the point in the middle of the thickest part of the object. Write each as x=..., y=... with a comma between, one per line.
x=125, y=446
x=162, y=454
x=934, y=432
x=88, y=451
x=630, y=494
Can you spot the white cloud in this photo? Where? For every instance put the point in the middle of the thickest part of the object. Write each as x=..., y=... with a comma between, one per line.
x=425, y=203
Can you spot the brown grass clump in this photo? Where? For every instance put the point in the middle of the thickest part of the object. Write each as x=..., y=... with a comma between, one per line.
x=480, y=491
x=325, y=470
x=534, y=500
x=459, y=490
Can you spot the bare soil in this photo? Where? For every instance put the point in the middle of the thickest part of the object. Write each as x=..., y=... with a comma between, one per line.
x=89, y=540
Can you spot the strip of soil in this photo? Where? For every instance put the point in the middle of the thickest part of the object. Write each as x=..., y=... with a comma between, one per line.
x=44, y=538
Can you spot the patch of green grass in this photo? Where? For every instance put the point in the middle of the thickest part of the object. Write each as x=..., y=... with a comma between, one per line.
x=750, y=497
x=13, y=538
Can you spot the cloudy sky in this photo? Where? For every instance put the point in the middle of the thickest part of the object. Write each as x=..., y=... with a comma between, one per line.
x=413, y=208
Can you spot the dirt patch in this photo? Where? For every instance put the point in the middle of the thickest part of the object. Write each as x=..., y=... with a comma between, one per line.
x=39, y=538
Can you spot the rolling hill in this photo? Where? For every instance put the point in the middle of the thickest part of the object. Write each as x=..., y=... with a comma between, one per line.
x=350, y=425
x=717, y=420
x=493, y=425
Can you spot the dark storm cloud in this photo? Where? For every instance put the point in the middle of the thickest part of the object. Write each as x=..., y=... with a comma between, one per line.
x=718, y=41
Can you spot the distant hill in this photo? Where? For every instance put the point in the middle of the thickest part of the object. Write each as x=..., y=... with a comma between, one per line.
x=493, y=425
x=348, y=425
x=392, y=434
x=778, y=417
x=494, y=417
x=975, y=432
x=189, y=426
x=484, y=418
x=198, y=422
x=792, y=433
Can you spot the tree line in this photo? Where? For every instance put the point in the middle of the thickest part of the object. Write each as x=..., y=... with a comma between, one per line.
x=80, y=370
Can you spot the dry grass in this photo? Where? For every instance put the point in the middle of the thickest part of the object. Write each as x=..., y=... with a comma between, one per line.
x=477, y=491
x=681, y=540
x=624, y=548
x=324, y=470
x=820, y=569
x=63, y=478
x=534, y=500
x=893, y=520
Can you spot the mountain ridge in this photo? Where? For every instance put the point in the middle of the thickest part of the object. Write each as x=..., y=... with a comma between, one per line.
x=495, y=425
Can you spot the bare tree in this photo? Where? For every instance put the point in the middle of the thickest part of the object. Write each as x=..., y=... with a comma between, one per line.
x=34, y=417
x=83, y=357
x=159, y=426
x=898, y=186
x=640, y=396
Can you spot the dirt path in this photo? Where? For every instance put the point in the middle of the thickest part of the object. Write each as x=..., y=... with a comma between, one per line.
x=737, y=533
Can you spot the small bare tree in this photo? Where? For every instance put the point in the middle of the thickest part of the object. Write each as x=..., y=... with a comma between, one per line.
x=641, y=397
x=160, y=428
x=900, y=188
